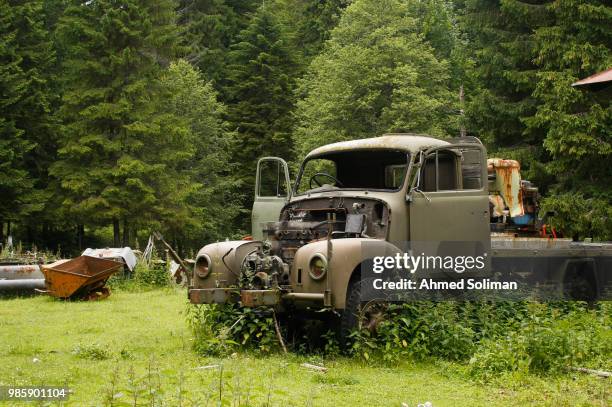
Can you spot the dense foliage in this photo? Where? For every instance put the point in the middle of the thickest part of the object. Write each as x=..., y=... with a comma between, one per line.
x=369, y=82
x=491, y=339
x=117, y=119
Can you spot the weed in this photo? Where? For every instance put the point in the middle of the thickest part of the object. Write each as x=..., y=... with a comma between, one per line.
x=92, y=351
x=151, y=276
x=126, y=354
x=496, y=338
x=220, y=329
x=548, y=340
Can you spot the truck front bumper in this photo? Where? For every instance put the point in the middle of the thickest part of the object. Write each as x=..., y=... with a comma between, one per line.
x=248, y=298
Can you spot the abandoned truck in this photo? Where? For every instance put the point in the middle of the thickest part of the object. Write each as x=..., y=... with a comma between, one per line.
x=307, y=246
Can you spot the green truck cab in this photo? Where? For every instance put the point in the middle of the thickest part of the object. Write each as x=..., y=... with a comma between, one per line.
x=306, y=251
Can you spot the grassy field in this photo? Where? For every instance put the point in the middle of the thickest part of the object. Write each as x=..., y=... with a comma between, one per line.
x=135, y=348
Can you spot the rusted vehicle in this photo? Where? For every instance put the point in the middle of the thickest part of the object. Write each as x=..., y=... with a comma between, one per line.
x=307, y=251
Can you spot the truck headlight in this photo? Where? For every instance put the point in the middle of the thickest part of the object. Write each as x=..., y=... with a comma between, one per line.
x=203, y=266
x=317, y=266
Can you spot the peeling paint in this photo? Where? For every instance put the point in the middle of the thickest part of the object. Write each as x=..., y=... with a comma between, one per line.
x=507, y=184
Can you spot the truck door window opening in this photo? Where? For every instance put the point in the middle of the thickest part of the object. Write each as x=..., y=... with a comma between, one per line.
x=449, y=170
x=272, y=180
x=439, y=172
x=363, y=169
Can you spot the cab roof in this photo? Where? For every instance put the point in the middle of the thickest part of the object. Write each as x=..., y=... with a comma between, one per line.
x=401, y=141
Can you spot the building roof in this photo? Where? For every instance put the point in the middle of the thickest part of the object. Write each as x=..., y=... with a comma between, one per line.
x=600, y=77
x=405, y=142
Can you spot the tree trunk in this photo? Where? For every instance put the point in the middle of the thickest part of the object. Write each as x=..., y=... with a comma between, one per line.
x=45, y=232
x=135, y=237
x=8, y=228
x=30, y=235
x=116, y=240
x=81, y=236
x=1, y=232
x=126, y=233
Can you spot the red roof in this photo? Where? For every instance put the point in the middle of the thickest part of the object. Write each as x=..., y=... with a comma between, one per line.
x=604, y=76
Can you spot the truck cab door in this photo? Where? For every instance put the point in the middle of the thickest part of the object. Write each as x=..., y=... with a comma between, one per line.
x=272, y=192
x=448, y=201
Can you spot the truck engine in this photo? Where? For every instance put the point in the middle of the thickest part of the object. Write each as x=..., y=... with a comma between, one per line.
x=269, y=263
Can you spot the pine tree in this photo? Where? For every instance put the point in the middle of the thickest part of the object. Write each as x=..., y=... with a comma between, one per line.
x=260, y=95
x=377, y=74
x=527, y=54
x=203, y=207
x=209, y=27
x=310, y=22
x=25, y=123
x=500, y=32
x=115, y=146
x=576, y=124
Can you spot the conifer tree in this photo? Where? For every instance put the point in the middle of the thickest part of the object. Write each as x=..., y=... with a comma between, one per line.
x=25, y=124
x=501, y=39
x=310, y=22
x=260, y=95
x=576, y=124
x=208, y=29
x=115, y=147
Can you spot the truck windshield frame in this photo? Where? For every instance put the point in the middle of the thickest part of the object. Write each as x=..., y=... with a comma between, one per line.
x=357, y=157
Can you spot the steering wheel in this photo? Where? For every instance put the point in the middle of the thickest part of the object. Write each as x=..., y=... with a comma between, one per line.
x=323, y=174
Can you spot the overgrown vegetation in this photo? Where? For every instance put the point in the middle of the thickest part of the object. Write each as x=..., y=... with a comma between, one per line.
x=221, y=330
x=490, y=339
x=154, y=275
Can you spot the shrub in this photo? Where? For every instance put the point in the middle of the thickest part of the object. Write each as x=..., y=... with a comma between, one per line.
x=419, y=330
x=220, y=329
x=549, y=340
x=496, y=338
x=151, y=276
x=92, y=351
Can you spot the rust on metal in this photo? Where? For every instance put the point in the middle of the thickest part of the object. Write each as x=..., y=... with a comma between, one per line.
x=256, y=298
x=21, y=271
x=214, y=295
x=507, y=184
x=79, y=277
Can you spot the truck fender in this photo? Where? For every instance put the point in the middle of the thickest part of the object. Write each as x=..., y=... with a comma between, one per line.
x=218, y=264
x=346, y=259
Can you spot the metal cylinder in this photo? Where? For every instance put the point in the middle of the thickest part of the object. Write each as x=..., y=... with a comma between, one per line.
x=21, y=272
x=25, y=285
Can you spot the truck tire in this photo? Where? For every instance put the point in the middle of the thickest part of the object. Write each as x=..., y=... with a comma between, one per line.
x=359, y=314
x=579, y=284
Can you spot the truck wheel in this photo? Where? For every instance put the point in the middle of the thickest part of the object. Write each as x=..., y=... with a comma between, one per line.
x=579, y=284
x=359, y=314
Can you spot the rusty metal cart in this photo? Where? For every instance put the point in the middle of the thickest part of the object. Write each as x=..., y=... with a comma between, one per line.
x=80, y=278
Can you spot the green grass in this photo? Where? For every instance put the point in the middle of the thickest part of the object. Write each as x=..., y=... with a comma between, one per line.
x=138, y=343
